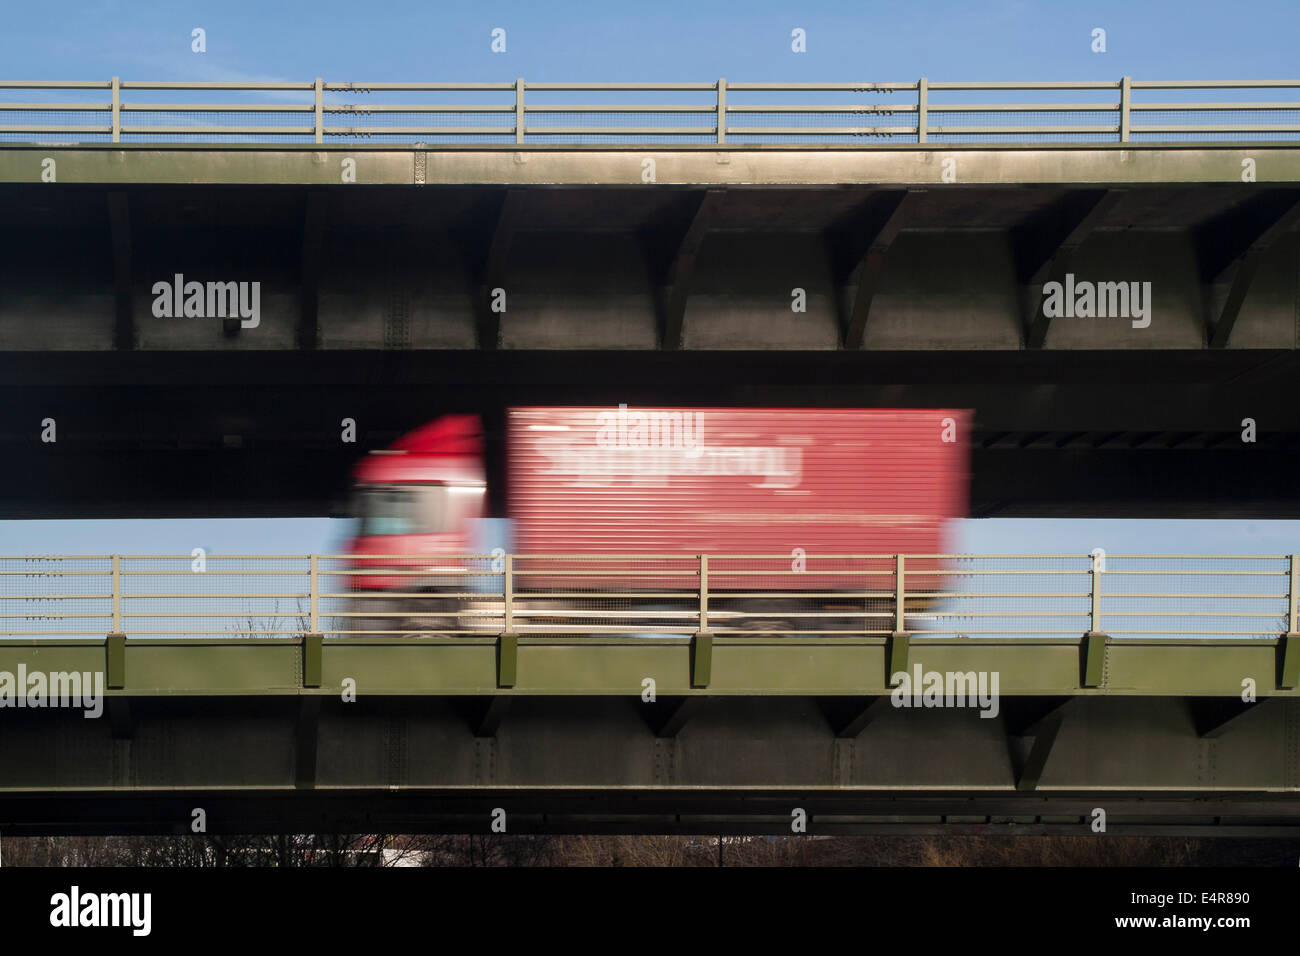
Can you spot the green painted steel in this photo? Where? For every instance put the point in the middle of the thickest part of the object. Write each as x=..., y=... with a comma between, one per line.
x=701, y=659
x=1289, y=660
x=1094, y=658
x=311, y=660
x=594, y=666
x=115, y=666
x=898, y=656
x=507, y=659
x=1107, y=746
x=1175, y=625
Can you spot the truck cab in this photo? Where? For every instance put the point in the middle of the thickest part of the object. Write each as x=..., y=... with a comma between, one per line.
x=417, y=505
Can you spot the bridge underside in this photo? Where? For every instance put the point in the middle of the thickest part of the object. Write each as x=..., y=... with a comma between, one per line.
x=745, y=277
x=602, y=764
x=808, y=265
x=240, y=434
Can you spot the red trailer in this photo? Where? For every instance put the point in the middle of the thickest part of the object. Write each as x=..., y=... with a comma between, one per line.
x=735, y=480
x=773, y=485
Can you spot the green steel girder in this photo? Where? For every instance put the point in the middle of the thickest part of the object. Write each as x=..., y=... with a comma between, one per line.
x=1102, y=164
x=659, y=812
x=388, y=744
x=600, y=666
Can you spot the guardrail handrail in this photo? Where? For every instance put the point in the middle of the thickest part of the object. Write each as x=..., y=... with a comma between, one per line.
x=865, y=595
x=926, y=110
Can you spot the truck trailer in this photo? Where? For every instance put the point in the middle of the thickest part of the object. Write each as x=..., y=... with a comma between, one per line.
x=790, y=514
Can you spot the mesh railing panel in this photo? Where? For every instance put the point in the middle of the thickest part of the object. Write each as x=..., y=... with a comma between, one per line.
x=861, y=115
x=1230, y=597
x=998, y=597
x=55, y=596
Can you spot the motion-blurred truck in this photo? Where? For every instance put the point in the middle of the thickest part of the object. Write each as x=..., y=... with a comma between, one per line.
x=798, y=514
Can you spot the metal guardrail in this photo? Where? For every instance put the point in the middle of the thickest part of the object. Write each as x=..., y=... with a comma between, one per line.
x=849, y=114
x=654, y=596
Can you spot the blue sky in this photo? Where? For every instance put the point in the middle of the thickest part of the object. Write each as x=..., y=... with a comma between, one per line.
x=666, y=40
x=324, y=535
x=699, y=40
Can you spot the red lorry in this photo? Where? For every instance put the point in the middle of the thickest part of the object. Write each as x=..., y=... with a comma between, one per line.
x=635, y=482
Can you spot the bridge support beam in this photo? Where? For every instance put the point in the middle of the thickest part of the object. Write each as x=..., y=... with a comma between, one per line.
x=676, y=286
x=594, y=751
x=668, y=715
x=1215, y=716
x=701, y=659
x=1092, y=659
x=1230, y=248
x=115, y=661
x=119, y=221
x=876, y=229
x=312, y=659
x=507, y=659
x=1288, y=659
x=849, y=718
x=1041, y=726
x=1045, y=245
x=494, y=269
x=306, y=741
x=485, y=716
x=896, y=653
x=313, y=229
x=120, y=723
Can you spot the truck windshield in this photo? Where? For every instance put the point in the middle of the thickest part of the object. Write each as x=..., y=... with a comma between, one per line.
x=402, y=509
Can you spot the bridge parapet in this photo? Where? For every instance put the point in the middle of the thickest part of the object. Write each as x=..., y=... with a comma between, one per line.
x=520, y=113
x=603, y=624
x=965, y=596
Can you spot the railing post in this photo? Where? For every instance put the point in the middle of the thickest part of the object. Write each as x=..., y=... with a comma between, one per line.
x=117, y=110
x=722, y=111
x=1294, y=592
x=313, y=597
x=702, y=642
x=922, y=109
x=320, y=112
x=1125, y=96
x=1092, y=647
x=1094, y=614
x=507, y=595
x=519, y=110
x=704, y=592
x=117, y=594
x=900, y=594
x=508, y=640
x=1288, y=644
x=897, y=645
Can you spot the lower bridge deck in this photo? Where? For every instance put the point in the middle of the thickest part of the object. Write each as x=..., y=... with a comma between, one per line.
x=1189, y=724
